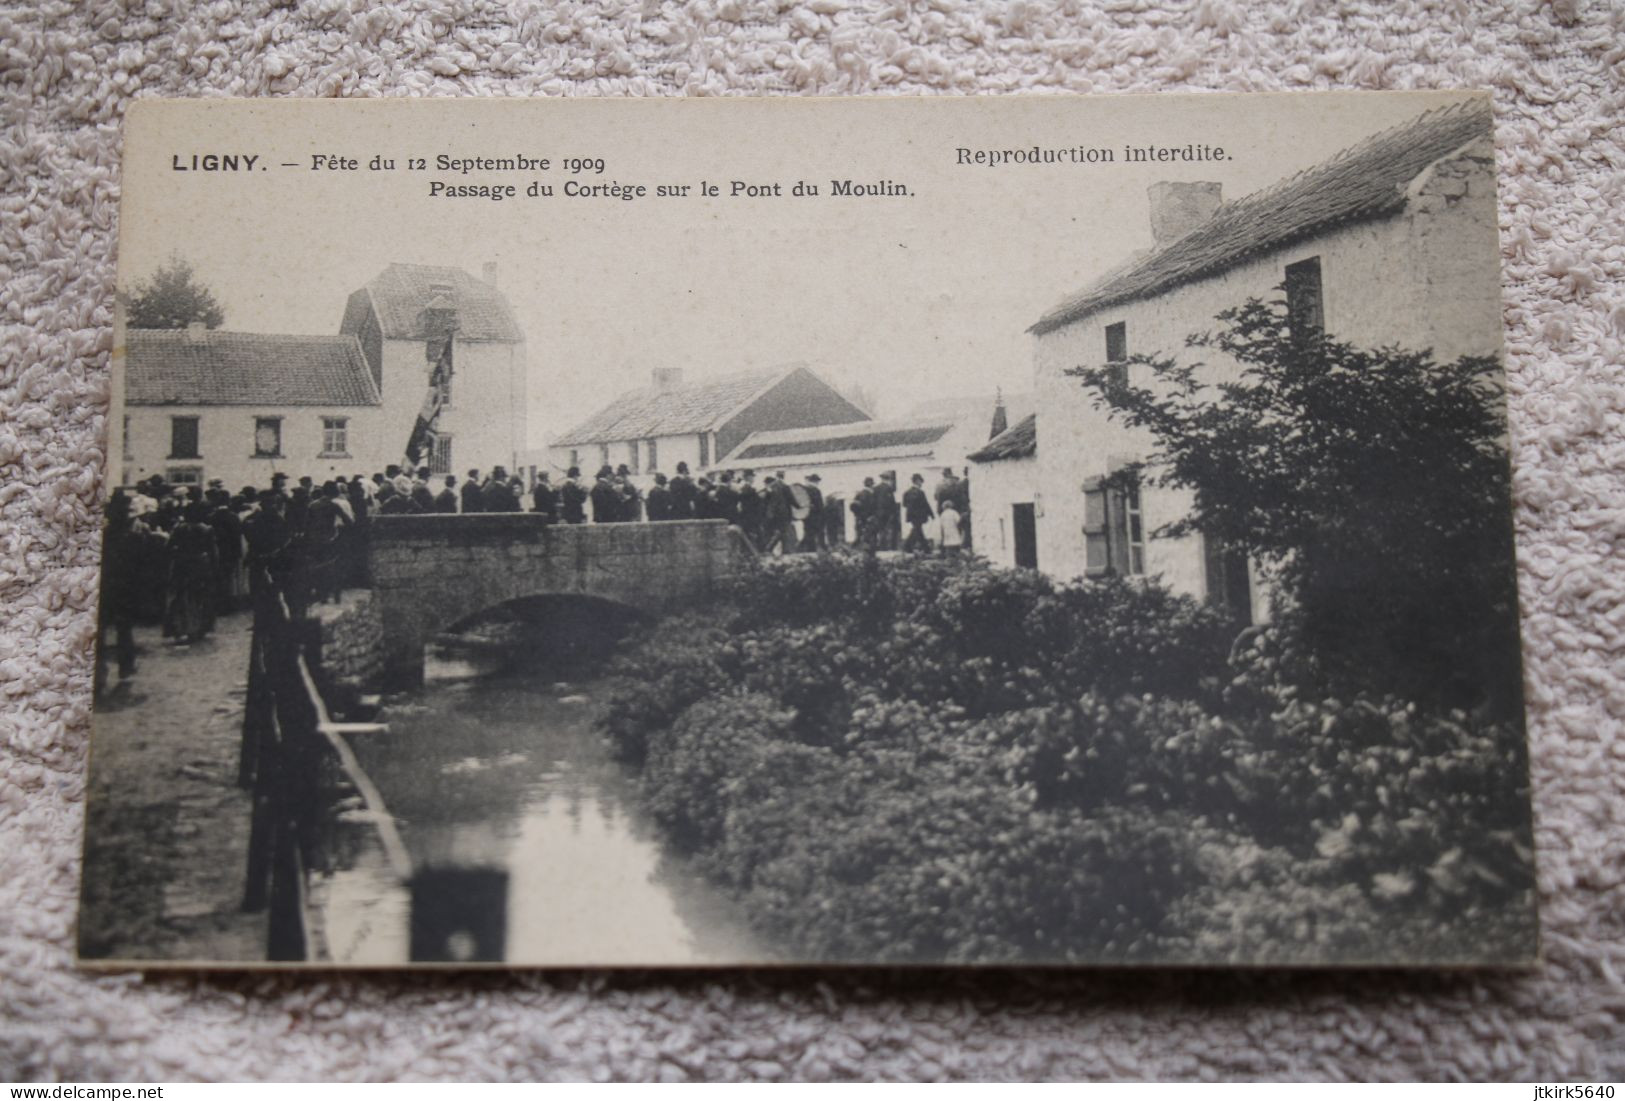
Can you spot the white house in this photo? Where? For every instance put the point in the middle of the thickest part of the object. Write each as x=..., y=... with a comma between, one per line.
x=403, y=319
x=1004, y=483
x=1391, y=242
x=672, y=421
x=203, y=404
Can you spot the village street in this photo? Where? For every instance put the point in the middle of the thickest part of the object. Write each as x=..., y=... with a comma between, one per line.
x=168, y=824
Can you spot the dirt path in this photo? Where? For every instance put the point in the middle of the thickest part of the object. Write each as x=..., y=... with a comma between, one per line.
x=167, y=826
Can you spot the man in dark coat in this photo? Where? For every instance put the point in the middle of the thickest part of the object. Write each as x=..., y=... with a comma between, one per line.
x=422, y=495
x=750, y=507
x=472, y=499
x=918, y=512
x=606, y=502
x=863, y=514
x=682, y=494
x=887, y=514
x=270, y=546
x=812, y=524
x=544, y=499
x=657, y=506
x=726, y=498
x=779, y=506
x=121, y=580
x=446, y=499
x=497, y=495
x=573, y=498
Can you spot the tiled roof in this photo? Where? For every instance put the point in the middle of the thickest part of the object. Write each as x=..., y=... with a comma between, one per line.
x=1365, y=181
x=402, y=291
x=673, y=411
x=178, y=367
x=1019, y=441
x=836, y=439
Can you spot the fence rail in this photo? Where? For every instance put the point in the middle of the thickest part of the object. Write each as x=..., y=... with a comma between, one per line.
x=294, y=760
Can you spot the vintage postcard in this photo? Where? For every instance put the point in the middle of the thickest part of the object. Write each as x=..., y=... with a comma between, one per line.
x=976, y=531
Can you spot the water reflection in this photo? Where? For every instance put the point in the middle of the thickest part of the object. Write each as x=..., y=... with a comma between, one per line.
x=501, y=767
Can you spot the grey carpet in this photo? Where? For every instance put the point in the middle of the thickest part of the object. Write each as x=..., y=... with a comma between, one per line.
x=66, y=74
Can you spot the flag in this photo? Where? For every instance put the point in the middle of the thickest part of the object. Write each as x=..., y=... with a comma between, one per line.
x=433, y=401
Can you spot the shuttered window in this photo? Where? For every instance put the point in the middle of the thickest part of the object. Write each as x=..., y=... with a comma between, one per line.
x=183, y=438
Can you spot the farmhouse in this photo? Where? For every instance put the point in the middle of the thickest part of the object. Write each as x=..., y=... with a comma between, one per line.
x=672, y=421
x=1391, y=242
x=201, y=404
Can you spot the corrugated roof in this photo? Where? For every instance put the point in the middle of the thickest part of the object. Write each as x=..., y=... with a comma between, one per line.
x=1019, y=441
x=178, y=367
x=836, y=439
x=674, y=410
x=401, y=292
x=1365, y=181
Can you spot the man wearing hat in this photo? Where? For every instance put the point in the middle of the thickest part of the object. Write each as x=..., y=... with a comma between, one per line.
x=918, y=512
x=812, y=524
x=573, y=497
x=472, y=501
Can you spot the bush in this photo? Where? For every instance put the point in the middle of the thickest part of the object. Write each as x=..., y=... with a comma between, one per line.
x=1012, y=770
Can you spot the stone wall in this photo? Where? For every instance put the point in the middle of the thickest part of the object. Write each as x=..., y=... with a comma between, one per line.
x=352, y=641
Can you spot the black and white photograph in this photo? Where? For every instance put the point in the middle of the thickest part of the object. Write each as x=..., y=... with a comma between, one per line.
x=982, y=531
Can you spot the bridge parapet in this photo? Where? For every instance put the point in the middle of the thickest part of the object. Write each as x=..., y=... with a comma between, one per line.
x=431, y=571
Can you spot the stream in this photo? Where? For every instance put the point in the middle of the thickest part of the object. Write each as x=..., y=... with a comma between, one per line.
x=494, y=768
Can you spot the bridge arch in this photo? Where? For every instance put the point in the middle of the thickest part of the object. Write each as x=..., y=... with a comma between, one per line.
x=431, y=572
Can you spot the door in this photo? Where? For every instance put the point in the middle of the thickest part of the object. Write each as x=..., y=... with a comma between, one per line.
x=1024, y=526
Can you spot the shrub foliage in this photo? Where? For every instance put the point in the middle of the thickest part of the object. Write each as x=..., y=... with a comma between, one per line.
x=919, y=760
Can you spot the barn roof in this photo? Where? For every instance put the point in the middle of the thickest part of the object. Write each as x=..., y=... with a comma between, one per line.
x=1019, y=441
x=675, y=410
x=401, y=292
x=211, y=367
x=839, y=442
x=1365, y=181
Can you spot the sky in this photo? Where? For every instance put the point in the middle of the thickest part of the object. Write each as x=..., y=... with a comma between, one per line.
x=916, y=297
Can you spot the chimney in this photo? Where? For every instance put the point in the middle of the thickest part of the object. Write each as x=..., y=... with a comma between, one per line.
x=196, y=332
x=667, y=378
x=1178, y=208
x=488, y=272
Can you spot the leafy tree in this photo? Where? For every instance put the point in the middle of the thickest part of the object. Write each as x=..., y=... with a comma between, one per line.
x=173, y=299
x=1373, y=484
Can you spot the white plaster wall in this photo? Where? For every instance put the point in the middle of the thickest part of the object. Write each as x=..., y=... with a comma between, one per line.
x=226, y=443
x=486, y=418
x=994, y=487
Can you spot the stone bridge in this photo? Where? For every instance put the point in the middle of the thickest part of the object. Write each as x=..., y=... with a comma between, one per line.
x=430, y=572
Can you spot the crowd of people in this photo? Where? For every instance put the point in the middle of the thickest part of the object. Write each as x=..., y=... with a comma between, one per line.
x=180, y=556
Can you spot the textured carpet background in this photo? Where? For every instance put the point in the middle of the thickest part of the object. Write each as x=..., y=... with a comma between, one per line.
x=1558, y=75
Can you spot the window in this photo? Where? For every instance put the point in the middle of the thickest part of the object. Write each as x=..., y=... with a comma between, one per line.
x=267, y=437
x=654, y=456
x=128, y=454
x=1117, y=352
x=575, y=458
x=184, y=475
x=603, y=455
x=632, y=456
x=1305, y=310
x=1228, y=586
x=440, y=454
x=1113, y=527
x=336, y=436
x=705, y=450
x=183, y=438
